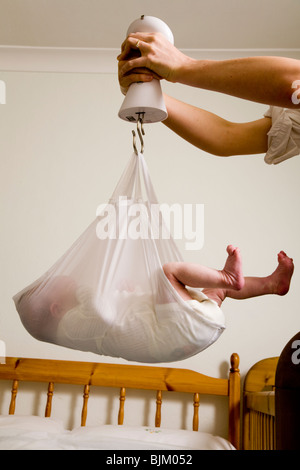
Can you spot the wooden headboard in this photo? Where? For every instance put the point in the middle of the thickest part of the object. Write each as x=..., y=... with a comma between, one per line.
x=259, y=406
x=160, y=379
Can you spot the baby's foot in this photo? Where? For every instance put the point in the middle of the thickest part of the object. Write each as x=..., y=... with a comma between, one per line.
x=281, y=277
x=232, y=271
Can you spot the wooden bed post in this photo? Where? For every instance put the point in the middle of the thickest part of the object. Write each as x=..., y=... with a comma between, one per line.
x=86, y=394
x=14, y=392
x=49, y=399
x=121, y=407
x=234, y=401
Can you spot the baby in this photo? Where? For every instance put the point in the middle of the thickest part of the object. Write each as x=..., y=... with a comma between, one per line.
x=42, y=306
x=60, y=312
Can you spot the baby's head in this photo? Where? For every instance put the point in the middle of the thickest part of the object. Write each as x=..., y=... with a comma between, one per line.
x=42, y=307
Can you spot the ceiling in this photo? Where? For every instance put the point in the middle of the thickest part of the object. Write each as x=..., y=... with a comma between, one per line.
x=196, y=24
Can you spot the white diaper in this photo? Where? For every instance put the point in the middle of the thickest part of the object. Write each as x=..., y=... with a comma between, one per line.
x=206, y=307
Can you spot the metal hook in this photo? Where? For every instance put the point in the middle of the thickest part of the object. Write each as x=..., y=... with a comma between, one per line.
x=141, y=132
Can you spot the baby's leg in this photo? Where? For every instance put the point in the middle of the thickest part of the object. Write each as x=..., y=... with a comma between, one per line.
x=277, y=283
x=195, y=275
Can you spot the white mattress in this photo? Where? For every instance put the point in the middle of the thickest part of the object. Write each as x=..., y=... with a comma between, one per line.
x=36, y=433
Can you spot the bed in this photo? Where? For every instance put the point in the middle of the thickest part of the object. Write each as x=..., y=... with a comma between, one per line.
x=44, y=432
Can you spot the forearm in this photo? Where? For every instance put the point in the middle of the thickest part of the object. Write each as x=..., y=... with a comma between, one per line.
x=269, y=80
x=201, y=128
x=266, y=80
x=214, y=134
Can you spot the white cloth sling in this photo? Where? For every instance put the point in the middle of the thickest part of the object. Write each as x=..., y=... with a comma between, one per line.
x=108, y=293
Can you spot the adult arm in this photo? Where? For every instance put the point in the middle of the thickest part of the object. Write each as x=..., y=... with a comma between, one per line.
x=204, y=129
x=269, y=80
x=214, y=134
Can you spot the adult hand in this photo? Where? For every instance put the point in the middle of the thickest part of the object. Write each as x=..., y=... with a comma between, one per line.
x=156, y=58
x=133, y=76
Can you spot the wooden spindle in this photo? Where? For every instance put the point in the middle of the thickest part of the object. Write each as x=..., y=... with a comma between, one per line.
x=251, y=430
x=14, y=392
x=158, y=408
x=122, y=404
x=196, y=412
x=49, y=400
x=86, y=394
x=234, y=401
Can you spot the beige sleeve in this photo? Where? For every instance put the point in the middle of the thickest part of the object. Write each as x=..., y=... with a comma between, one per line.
x=284, y=135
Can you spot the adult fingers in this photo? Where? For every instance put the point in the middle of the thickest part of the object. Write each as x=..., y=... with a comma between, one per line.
x=127, y=80
x=127, y=66
x=133, y=43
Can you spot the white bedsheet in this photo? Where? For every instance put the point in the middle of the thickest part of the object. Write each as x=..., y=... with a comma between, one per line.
x=36, y=433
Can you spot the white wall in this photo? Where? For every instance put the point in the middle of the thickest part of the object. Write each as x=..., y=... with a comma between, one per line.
x=63, y=149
